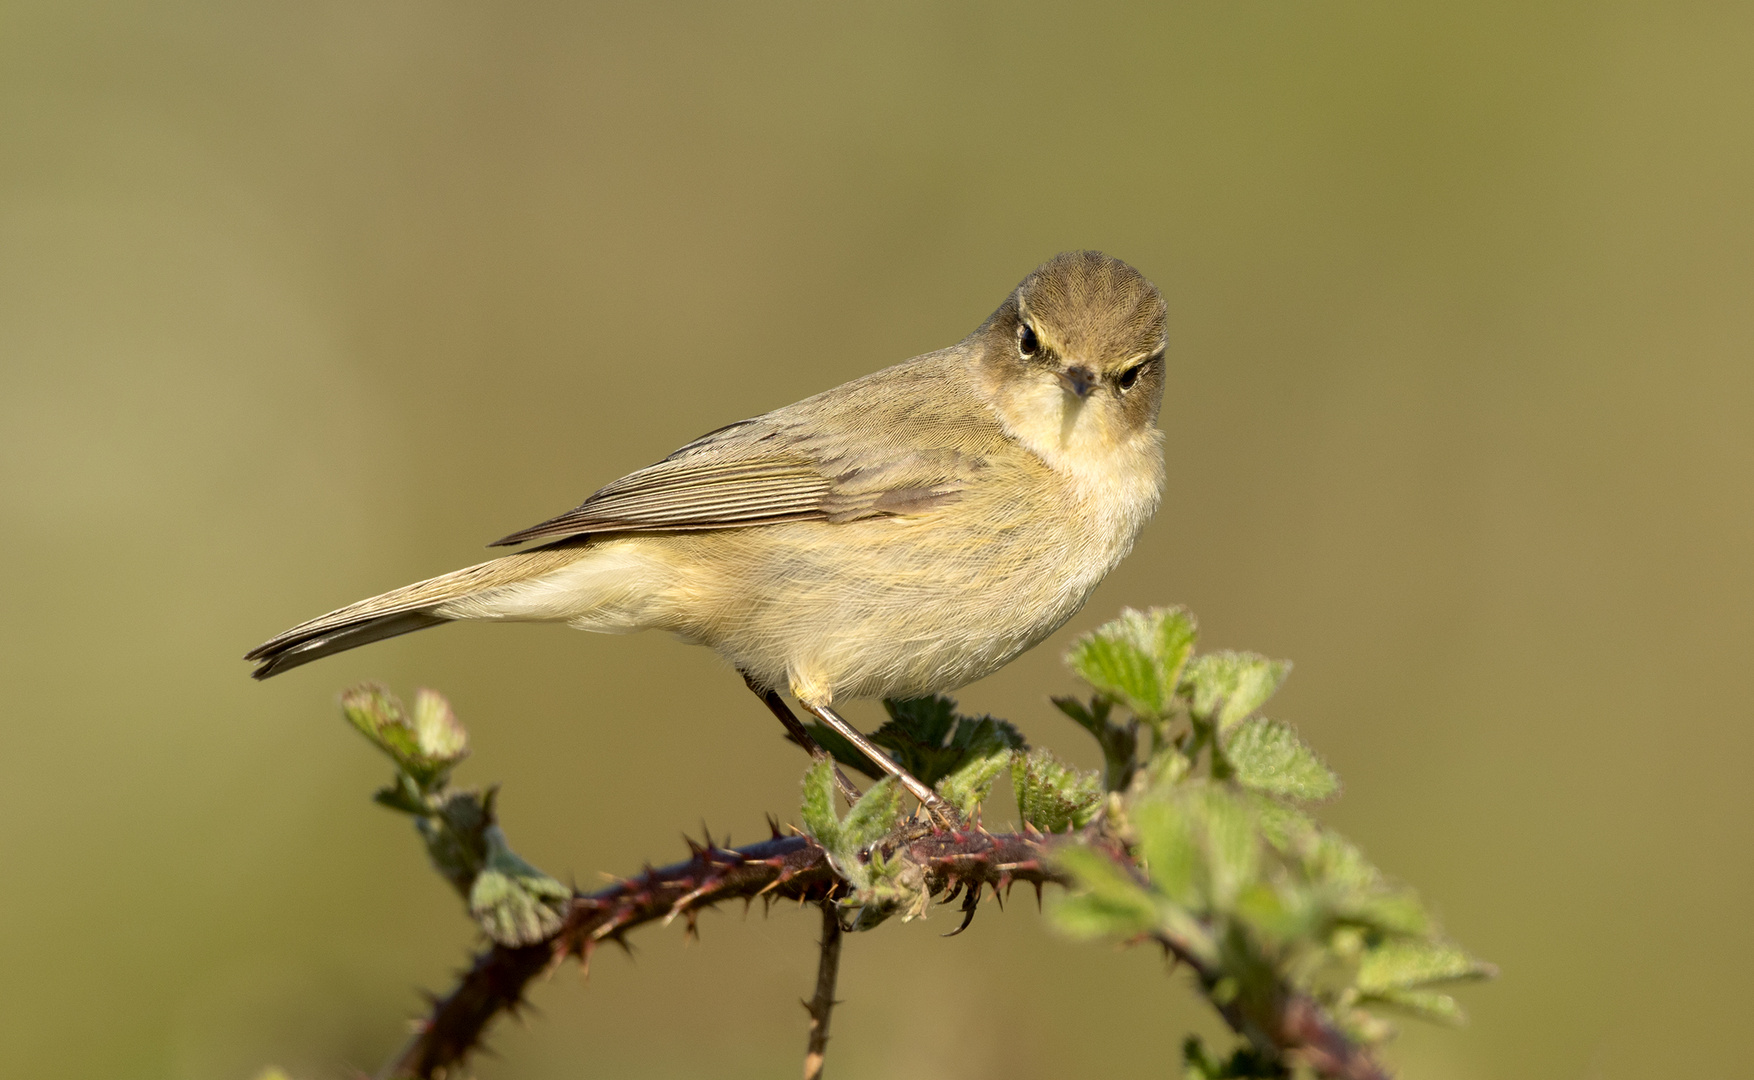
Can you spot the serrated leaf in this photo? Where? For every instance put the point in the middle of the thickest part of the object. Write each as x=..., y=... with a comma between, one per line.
x=1279, y=914
x=1285, y=827
x=1354, y=890
x=916, y=734
x=980, y=736
x=969, y=786
x=1092, y=717
x=821, y=823
x=1389, y=910
x=1171, y=851
x=1408, y=965
x=1232, y=843
x=1051, y=795
x=438, y=734
x=1137, y=659
x=1106, y=901
x=515, y=903
x=379, y=716
x=1267, y=755
x=923, y=736
x=1224, y=688
x=1430, y=1005
x=927, y=720
x=871, y=817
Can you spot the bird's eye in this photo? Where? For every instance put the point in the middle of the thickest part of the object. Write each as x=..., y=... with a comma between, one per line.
x=1130, y=376
x=1027, y=343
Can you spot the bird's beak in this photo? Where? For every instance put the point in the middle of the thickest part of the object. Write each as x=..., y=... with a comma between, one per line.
x=1078, y=380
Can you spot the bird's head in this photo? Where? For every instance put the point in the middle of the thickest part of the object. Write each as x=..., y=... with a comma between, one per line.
x=1073, y=360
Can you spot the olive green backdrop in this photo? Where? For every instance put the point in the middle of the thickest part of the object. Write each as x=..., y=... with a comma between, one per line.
x=299, y=302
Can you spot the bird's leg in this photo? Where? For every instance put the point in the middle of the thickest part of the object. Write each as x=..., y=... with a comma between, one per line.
x=941, y=812
x=801, y=735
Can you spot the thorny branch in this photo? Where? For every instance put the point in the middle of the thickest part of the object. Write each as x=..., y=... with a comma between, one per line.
x=821, y=1007
x=796, y=868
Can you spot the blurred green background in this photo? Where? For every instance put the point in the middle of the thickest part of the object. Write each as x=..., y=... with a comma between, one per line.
x=299, y=302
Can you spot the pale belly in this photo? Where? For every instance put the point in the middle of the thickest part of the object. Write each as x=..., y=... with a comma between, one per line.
x=883, y=609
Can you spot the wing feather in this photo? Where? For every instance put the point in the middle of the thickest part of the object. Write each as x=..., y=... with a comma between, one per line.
x=869, y=448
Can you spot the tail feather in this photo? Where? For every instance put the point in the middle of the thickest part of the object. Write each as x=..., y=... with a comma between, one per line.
x=286, y=657
x=399, y=611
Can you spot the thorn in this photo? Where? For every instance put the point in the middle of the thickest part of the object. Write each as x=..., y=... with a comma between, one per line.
x=1037, y=885
x=585, y=952
x=970, y=901
x=773, y=826
x=967, y=917
x=695, y=851
x=556, y=953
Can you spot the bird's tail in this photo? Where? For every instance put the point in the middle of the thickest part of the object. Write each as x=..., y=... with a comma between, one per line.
x=402, y=611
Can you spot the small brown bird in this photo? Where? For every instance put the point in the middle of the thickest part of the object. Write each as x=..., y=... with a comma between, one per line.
x=902, y=534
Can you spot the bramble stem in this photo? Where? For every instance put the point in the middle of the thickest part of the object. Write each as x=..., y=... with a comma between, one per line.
x=822, y=1005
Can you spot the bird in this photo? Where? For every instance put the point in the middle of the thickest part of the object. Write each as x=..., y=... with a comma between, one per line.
x=897, y=536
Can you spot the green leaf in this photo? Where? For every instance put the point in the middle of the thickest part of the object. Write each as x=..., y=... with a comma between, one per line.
x=984, y=735
x=871, y=818
x=1430, y=1005
x=821, y=823
x=927, y=721
x=437, y=732
x=515, y=903
x=1171, y=851
x=379, y=716
x=455, y=835
x=1387, y=910
x=929, y=739
x=1224, y=688
x=1137, y=659
x=1051, y=795
x=1201, y=844
x=426, y=748
x=1280, y=914
x=969, y=786
x=1408, y=965
x=1353, y=889
x=983, y=748
x=1267, y=755
x=1106, y=901
x=1232, y=842
x=1092, y=718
